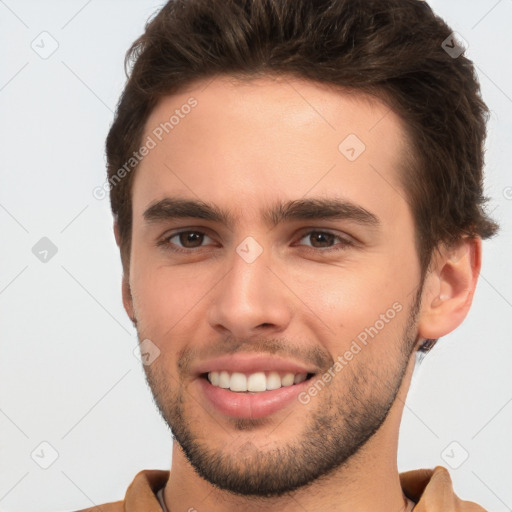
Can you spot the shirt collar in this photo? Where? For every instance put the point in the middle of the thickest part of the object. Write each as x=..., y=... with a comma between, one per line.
x=430, y=489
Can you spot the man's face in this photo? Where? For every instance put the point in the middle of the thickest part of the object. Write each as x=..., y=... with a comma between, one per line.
x=280, y=287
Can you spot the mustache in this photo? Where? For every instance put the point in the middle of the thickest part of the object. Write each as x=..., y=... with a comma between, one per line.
x=317, y=356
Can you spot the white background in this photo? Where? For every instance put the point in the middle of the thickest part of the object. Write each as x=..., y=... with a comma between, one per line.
x=67, y=369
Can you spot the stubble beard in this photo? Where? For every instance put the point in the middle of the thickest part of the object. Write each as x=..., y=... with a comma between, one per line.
x=341, y=420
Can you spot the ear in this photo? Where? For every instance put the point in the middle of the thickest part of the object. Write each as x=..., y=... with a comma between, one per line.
x=117, y=232
x=128, y=299
x=449, y=288
x=125, y=286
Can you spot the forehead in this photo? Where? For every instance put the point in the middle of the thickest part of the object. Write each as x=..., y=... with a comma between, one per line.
x=244, y=142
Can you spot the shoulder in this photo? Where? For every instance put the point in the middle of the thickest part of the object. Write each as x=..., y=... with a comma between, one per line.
x=140, y=495
x=432, y=489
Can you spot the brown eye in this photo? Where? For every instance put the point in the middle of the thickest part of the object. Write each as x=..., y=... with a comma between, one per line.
x=190, y=239
x=325, y=240
x=319, y=239
x=184, y=240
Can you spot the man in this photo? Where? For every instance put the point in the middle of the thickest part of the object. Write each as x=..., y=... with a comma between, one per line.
x=297, y=192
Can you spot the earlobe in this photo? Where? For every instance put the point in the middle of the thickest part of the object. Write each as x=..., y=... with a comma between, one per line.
x=128, y=299
x=449, y=288
x=117, y=233
x=125, y=287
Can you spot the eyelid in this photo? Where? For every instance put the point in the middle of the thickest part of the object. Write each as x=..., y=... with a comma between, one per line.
x=205, y=235
x=165, y=239
x=345, y=239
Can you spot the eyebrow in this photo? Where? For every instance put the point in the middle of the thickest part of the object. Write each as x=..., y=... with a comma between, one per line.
x=171, y=208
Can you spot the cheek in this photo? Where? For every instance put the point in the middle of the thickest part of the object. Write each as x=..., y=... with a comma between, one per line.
x=357, y=302
x=159, y=300
x=167, y=299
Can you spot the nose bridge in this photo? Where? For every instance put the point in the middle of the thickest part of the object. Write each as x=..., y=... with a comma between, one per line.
x=249, y=296
x=249, y=273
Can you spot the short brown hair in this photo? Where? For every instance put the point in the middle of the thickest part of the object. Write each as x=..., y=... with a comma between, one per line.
x=392, y=49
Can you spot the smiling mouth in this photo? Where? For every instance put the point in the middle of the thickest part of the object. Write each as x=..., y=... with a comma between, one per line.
x=257, y=382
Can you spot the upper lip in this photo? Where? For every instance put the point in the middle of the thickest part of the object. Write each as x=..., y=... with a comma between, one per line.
x=252, y=363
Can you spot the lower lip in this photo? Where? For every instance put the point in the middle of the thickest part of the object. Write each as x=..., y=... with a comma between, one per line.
x=251, y=405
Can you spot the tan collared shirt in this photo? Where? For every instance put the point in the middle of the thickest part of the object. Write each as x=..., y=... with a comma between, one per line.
x=430, y=489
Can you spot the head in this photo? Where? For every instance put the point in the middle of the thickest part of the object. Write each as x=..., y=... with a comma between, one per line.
x=310, y=196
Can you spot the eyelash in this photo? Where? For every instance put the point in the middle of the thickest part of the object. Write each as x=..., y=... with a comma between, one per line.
x=168, y=246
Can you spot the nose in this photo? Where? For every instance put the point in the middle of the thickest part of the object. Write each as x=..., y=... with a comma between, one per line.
x=250, y=300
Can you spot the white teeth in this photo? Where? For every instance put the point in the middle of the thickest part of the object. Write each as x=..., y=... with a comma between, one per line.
x=255, y=382
x=273, y=381
x=238, y=382
x=224, y=380
x=214, y=378
x=287, y=380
